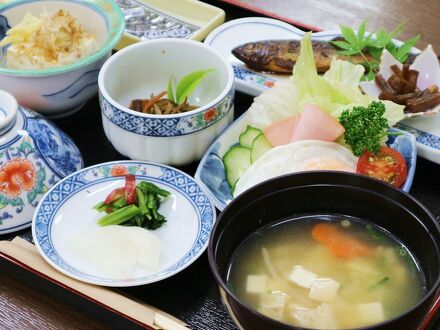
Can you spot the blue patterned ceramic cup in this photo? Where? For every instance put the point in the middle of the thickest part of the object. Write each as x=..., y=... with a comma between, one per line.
x=34, y=155
x=144, y=68
x=60, y=91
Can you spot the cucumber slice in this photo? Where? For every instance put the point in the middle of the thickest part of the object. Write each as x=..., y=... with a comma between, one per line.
x=247, y=137
x=260, y=145
x=237, y=160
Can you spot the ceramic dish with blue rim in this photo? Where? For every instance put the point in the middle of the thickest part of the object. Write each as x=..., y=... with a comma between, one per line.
x=240, y=31
x=66, y=212
x=211, y=174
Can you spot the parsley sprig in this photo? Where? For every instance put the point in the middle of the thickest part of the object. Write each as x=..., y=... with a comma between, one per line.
x=364, y=127
x=373, y=43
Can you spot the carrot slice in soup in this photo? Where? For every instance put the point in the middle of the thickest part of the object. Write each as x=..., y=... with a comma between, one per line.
x=339, y=243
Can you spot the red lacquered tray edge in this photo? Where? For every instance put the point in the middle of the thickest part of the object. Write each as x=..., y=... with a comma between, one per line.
x=431, y=314
x=258, y=10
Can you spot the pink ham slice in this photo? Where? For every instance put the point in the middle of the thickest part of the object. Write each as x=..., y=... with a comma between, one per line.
x=280, y=132
x=316, y=124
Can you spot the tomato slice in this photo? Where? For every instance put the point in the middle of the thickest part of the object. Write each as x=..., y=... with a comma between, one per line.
x=387, y=165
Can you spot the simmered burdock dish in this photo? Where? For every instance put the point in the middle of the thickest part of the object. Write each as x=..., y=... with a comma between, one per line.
x=401, y=88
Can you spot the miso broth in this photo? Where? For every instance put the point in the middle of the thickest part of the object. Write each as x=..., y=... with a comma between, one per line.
x=327, y=273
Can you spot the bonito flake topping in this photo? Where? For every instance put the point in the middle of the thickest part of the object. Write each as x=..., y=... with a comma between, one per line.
x=47, y=41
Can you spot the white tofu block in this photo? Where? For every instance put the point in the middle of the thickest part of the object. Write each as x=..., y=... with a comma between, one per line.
x=303, y=316
x=256, y=283
x=324, y=289
x=302, y=277
x=319, y=318
x=272, y=304
x=371, y=313
x=273, y=299
x=324, y=318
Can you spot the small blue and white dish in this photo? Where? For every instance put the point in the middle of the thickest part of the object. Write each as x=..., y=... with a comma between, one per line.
x=60, y=91
x=34, y=155
x=66, y=212
x=145, y=68
x=211, y=171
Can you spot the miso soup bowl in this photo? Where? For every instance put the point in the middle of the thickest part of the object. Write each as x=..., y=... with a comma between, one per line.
x=141, y=69
x=326, y=193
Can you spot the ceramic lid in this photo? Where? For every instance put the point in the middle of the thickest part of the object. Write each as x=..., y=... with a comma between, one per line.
x=8, y=111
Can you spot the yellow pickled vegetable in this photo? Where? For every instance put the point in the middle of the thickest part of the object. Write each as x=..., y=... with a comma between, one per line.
x=47, y=41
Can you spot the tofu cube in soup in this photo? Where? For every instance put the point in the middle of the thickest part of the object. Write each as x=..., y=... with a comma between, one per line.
x=371, y=313
x=324, y=289
x=256, y=283
x=303, y=316
x=302, y=276
x=272, y=304
x=273, y=299
x=324, y=318
x=319, y=318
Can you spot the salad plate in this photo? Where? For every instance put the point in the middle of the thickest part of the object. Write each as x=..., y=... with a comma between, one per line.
x=66, y=213
x=293, y=127
x=426, y=129
x=211, y=173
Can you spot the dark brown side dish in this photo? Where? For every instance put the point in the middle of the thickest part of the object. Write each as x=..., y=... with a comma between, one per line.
x=401, y=88
x=160, y=106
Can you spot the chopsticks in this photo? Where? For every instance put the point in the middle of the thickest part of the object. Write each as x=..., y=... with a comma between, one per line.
x=147, y=316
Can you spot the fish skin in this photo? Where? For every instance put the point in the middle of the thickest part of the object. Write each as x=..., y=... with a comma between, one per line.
x=279, y=56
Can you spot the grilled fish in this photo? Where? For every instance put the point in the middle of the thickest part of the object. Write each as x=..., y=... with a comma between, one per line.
x=280, y=55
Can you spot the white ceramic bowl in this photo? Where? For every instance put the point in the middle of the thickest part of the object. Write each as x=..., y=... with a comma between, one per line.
x=144, y=68
x=59, y=91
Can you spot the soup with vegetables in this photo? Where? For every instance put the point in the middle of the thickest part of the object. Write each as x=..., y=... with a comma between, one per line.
x=326, y=273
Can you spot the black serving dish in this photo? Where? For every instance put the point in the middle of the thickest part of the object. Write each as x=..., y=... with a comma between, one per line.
x=327, y=193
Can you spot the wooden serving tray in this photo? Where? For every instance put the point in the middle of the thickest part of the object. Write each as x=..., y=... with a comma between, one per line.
x=192, y=295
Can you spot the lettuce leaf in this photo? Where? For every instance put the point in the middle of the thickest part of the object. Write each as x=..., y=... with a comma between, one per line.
x=335, y=91
x=275, y=104
x=344, y=72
